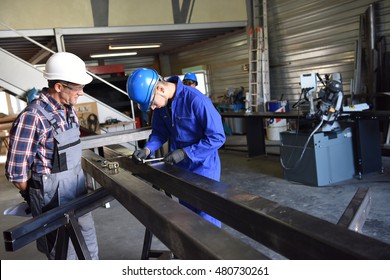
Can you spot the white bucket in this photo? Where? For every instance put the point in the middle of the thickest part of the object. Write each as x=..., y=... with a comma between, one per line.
x=279, y=107
x=273, y=133
x=276, y=122
x=276, y=125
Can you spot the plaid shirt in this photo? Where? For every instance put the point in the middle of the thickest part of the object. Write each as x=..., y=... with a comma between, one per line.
x=31, y=144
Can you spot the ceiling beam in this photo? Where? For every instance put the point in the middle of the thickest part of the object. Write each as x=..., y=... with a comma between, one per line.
x=42, y=54
x=100, y=12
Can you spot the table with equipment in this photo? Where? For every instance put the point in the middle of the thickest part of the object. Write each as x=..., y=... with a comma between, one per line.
x=255, y=129
x=365, y=125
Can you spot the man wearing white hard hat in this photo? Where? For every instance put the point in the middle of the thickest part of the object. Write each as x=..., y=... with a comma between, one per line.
x=44, y=155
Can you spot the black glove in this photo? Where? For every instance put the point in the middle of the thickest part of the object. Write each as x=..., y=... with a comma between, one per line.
x=175, y=157
x=26, y=196
x=139, y=155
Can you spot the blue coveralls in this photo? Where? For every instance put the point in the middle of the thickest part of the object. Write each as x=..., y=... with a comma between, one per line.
x=194, y=124
x=64, y=184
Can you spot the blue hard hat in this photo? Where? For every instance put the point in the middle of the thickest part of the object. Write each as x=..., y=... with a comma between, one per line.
x=140, y=86
x=191, y=76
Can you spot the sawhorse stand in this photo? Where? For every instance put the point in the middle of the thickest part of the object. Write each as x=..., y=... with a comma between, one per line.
x=72, y=231
x=147, y=251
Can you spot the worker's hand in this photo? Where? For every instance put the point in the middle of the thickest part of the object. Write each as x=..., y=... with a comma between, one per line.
x=26, y=195
x=139, y=155
x=175, y=157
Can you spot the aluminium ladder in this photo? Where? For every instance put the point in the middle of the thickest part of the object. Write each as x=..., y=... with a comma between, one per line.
x=259, y=85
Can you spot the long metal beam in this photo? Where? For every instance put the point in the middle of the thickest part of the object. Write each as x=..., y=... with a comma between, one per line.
x=151, y=28
x=294, y=234
x=188, y=235
x=117, y=137
x=357, y=210
x=34, y=228
x=123, y=29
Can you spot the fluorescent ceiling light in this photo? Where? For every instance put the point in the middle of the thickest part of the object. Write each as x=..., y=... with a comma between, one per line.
x=131, y=47
x=112, y=54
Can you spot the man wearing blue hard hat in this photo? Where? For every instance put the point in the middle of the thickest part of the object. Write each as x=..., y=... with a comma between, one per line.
x=185, y=117
x=190, y=79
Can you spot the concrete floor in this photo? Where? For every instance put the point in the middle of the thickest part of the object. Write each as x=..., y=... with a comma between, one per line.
x=120, y=235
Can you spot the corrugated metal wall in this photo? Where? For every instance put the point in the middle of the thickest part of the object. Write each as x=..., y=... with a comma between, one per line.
x=304, y=36
x=224, y=57
x=316, y=36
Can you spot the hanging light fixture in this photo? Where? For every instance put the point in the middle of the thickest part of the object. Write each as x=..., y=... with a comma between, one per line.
x=100, y=55
x=132, y=47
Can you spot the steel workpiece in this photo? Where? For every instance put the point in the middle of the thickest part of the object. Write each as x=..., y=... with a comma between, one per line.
x=291, y=233
x=180, y=229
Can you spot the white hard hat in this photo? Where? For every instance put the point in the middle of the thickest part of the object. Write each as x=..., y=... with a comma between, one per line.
x=68, y=67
